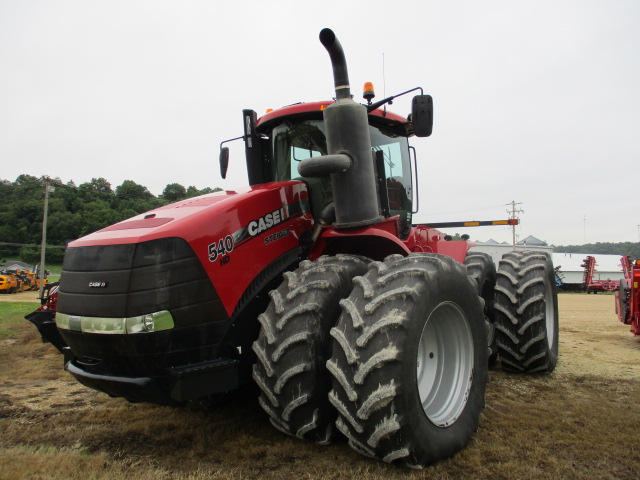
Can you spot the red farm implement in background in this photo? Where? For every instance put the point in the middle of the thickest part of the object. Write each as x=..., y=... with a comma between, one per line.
x=593, y=285
x=628, y=297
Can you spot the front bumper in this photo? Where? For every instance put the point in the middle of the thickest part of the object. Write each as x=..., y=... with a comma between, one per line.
x=179, y=385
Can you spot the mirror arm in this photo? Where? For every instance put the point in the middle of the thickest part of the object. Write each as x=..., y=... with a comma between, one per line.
x=224, y=157
x=379, y=103
x=230, y=140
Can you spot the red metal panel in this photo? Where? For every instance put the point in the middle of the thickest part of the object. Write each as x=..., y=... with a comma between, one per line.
x=246, y=229
x=309, y=107
x=634, y=300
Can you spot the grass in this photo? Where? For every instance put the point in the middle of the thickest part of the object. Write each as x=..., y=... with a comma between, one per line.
x=12, y=313
x=578, y=423
x=54, y=275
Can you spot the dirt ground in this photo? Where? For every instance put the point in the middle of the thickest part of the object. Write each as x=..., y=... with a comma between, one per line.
x=29, y=296
x=593, y=341
x=580, y=422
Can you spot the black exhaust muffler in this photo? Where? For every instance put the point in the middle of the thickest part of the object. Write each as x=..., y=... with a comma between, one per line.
x=346, y=126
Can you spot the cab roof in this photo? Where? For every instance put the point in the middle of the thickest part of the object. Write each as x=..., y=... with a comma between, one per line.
x=311, y=109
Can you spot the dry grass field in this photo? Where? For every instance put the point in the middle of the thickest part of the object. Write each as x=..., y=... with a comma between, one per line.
x=581, y=422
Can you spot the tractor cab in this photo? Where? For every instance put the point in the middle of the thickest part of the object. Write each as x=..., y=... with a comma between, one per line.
x=278, y=142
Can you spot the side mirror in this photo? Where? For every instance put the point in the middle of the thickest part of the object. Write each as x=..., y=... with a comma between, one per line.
x=422, y=115
x=224, y=161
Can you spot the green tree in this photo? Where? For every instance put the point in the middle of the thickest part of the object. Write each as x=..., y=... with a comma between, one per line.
x=631, y=249
x=194, y=192
x=96, y=189
x=74, y=211
x=132, y=190
x=174, y=192
x=53, y=254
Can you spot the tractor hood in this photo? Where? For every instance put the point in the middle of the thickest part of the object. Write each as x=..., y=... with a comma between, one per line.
x=221, y=229
x=225, y=212
x=169, y=218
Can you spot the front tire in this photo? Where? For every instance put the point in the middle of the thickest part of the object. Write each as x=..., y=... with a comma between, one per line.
x=294, y=344
x=527, y=312
x=409, y=360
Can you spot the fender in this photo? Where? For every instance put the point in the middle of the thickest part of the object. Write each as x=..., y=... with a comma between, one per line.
x=380, y=240
x=375, y=241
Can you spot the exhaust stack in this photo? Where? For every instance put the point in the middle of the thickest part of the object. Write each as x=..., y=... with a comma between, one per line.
x=338, y=62
x=349, y=162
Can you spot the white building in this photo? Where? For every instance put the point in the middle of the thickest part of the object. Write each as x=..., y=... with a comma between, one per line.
x=497, y=250
x=608, y=267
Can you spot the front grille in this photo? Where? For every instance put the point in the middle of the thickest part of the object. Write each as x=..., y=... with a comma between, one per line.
x=136, y=279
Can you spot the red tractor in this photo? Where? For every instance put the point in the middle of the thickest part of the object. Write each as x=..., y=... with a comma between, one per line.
x=315, y=284
x=628, y=296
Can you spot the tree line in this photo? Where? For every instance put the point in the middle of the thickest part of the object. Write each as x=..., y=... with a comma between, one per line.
x=631, y=249
x=73, y=211
x=77, y=210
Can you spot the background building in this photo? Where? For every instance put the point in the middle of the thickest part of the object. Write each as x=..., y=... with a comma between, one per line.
x=571, y=271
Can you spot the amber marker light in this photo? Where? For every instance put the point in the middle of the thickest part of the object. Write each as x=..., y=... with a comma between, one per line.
x=368, y=92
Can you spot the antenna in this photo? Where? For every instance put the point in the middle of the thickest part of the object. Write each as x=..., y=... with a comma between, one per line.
x=384, y=79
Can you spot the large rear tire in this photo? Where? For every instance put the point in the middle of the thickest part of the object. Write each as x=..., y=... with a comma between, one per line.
x=481, y=268
x=527, y=312
x=294, y=345
x=409, y=360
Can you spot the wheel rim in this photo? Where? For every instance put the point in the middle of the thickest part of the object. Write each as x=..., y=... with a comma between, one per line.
x=550, y=315
x=445, y=364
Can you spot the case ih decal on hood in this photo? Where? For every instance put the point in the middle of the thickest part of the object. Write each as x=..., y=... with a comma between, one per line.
x=267, y=222
x=225, y=245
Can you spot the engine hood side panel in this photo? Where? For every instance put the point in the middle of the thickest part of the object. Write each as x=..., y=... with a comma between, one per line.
x=234, y=236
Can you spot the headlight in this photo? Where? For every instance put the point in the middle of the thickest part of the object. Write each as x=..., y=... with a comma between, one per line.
x=151, y=322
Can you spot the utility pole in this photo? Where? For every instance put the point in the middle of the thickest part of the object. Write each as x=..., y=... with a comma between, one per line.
x=513, y=217
x=47, y=188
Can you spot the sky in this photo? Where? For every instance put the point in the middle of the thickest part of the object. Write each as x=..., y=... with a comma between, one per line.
x=535, y=102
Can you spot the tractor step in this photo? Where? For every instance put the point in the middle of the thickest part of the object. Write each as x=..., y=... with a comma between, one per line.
x=204, y=379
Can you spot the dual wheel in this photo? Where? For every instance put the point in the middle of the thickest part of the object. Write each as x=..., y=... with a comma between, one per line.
x=393, y=354
x=526, y=313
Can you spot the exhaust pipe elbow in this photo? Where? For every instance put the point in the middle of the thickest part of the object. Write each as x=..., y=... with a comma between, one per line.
x=338, y=62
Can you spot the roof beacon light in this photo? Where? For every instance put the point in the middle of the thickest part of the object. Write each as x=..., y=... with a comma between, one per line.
x=368, y=92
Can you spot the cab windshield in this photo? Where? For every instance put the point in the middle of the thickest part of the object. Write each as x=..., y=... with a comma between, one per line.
x=293, y=141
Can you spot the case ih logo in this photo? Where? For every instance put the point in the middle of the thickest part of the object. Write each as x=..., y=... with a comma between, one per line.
x=267, y=221
x=98, y=284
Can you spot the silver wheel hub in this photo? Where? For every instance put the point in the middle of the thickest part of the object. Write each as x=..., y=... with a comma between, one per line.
x=445, y=364
x=550, y=315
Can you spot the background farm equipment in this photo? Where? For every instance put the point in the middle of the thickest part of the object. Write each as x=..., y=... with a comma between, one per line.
x=44, y=317
x=16, y=280
x=628, y=296
x=8, y=283
x=592, y=285
x=314, y=284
